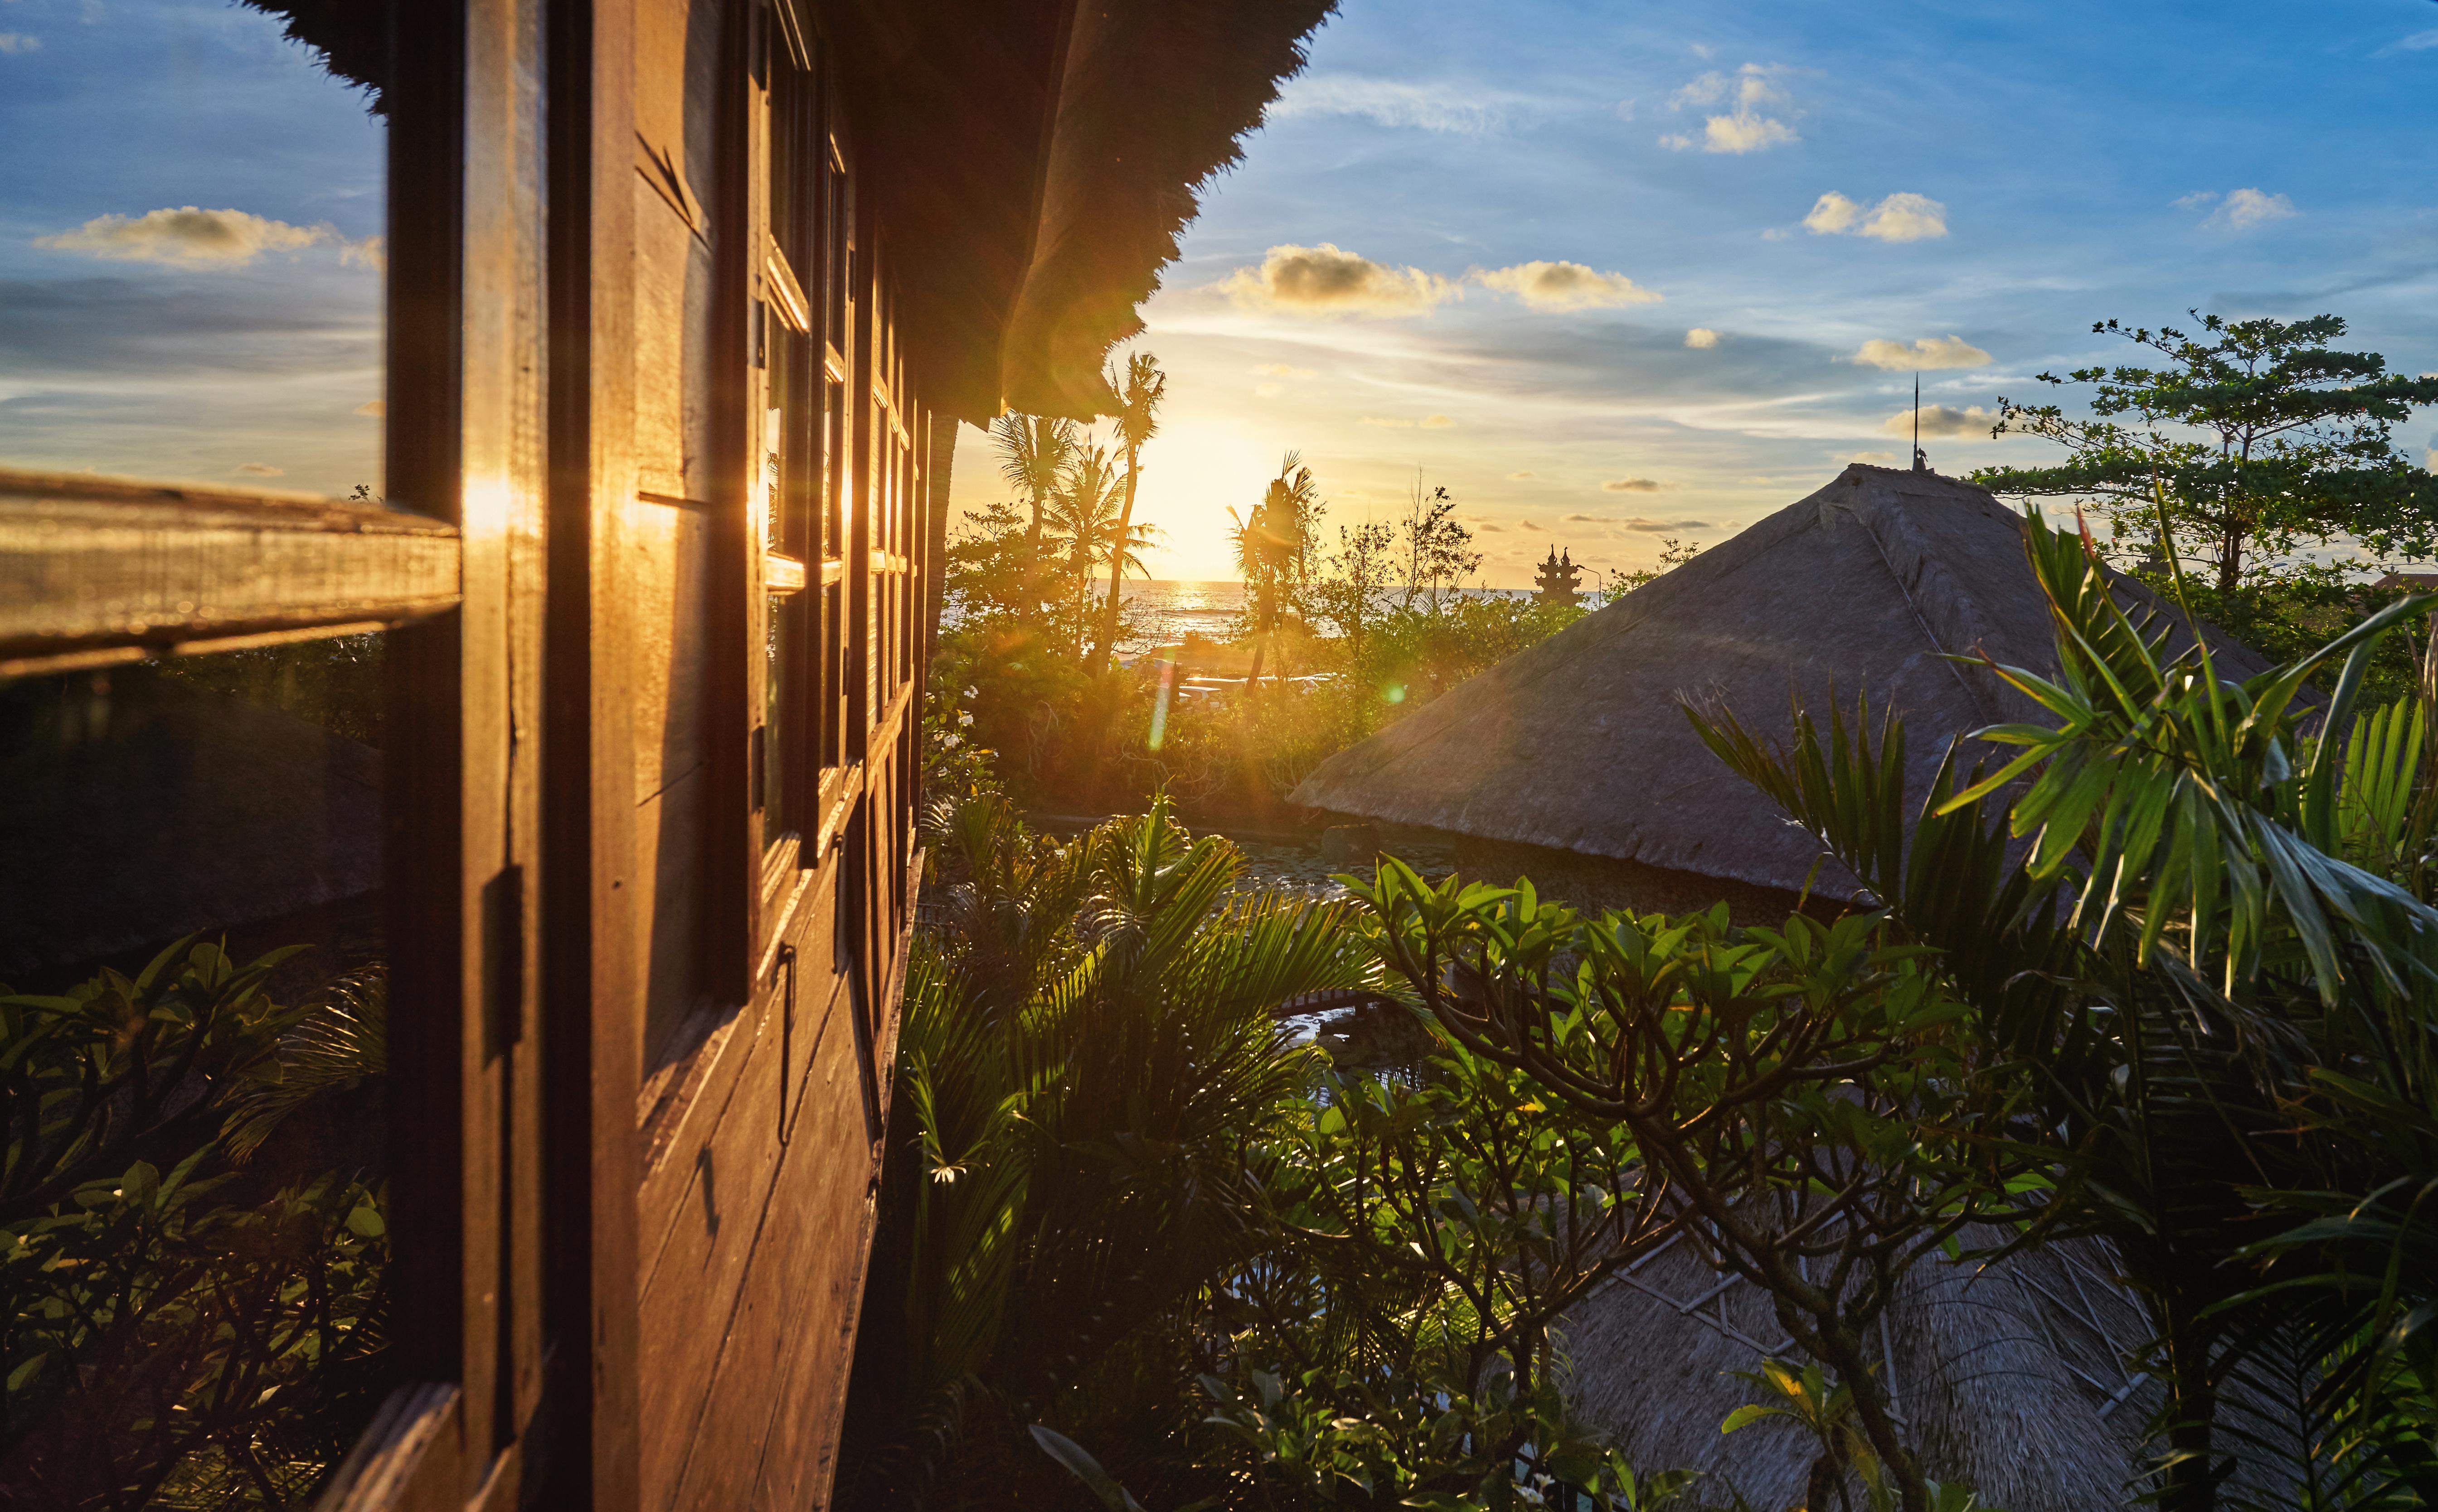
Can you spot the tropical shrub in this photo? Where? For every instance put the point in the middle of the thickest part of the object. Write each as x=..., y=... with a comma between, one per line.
x=2201, y=911
x=194, y=1321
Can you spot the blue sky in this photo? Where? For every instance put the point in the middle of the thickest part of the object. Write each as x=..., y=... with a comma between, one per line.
x=190, y=254
x=2003, y=177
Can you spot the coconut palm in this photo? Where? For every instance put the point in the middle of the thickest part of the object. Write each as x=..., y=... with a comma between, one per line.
x=1137, y=421
x=1273, y=547
x=1033, y=454
x=1082, y=521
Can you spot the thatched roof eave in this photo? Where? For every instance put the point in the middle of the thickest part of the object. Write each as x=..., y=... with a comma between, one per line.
x=1036, y=161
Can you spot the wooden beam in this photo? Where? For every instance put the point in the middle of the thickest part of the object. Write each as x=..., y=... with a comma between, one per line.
x=97, y=569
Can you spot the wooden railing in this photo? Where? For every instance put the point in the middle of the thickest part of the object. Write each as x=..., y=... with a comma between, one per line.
x=97, y=571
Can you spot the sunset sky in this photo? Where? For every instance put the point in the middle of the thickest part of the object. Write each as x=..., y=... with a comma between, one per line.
x=1615, y=272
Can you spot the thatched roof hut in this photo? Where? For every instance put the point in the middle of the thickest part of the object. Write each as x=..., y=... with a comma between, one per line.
x=2011, y=1379
x=1577, y=749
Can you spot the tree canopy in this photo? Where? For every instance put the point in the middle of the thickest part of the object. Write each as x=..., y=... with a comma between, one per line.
x=2256, y=436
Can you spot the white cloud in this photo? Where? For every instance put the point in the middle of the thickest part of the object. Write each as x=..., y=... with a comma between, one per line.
x=1927, y=353
x=194, y=237
x=1701, y=338
x=1743, y=128
x=1280, y=370
x=2195, y=200
x=2418, y=41
x=1831, y=213
x=1880, y=459
x=2244, y=209
x=1328, y=281
x=11, y=42
x=1632, y=485
x=1897, y=218
x=1388, y=102
x=1942, y=420
x=258, y=469
x=1564, y=286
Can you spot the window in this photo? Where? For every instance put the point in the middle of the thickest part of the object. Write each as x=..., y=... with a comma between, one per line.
x=192, y=747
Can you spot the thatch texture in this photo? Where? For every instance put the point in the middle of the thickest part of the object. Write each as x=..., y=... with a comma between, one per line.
x=1862, y=589
x=1035, y=161
x=2010, y=1379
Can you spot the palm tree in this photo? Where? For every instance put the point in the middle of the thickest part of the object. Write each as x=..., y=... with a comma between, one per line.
x=1137, y=421
x=1083, y=516
x=1034, y=454
x=1271, y=547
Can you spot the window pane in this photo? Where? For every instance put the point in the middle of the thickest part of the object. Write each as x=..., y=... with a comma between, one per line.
x=191, y=262
x=190, y=926
x=194, y=1026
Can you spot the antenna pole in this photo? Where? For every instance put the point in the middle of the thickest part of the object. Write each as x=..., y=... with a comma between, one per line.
x=1921, y=463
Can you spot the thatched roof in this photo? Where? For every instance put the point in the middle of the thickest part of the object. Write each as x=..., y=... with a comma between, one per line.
x=1578, y=743
x=1035, y=161
x=2011, y=1379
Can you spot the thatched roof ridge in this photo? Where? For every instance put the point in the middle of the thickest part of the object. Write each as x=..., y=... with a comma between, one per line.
x=1863, y=589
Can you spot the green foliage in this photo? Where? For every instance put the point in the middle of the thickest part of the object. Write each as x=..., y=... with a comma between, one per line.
x=2261, y=436
x=1336, y=1439
x=1811, y=1102
x=2211, y=934
x=1088, y=1053
x=182, y=1330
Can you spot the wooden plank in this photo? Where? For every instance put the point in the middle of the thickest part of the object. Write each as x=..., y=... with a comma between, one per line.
x=90, y=563
x=800, y=1457
x=814, y=1234
x=382, y=1471
x=691, y=1293
x=593, y=1025
x=667, y=591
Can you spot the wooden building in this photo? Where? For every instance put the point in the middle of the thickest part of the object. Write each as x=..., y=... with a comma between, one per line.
x=684, y=300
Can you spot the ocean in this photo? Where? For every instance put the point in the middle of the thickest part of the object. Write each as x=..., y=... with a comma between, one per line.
x=1166, y=612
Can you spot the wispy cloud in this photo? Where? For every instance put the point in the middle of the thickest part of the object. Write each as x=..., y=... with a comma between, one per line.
x=1282, y=370
x=1393, y=102
x=1632, y=485
x=258, y=469
x=1428, y=422
x=1897, y=218
x=18, y=41
x=1519, y=476
x=193, y=237
x=1742, y=127
x=2248, y=209
x=1927, y=353
x=1564, y=286
x=2418, y=41
x=1328, y=281
x=1701, y=338
x=1972, y=424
